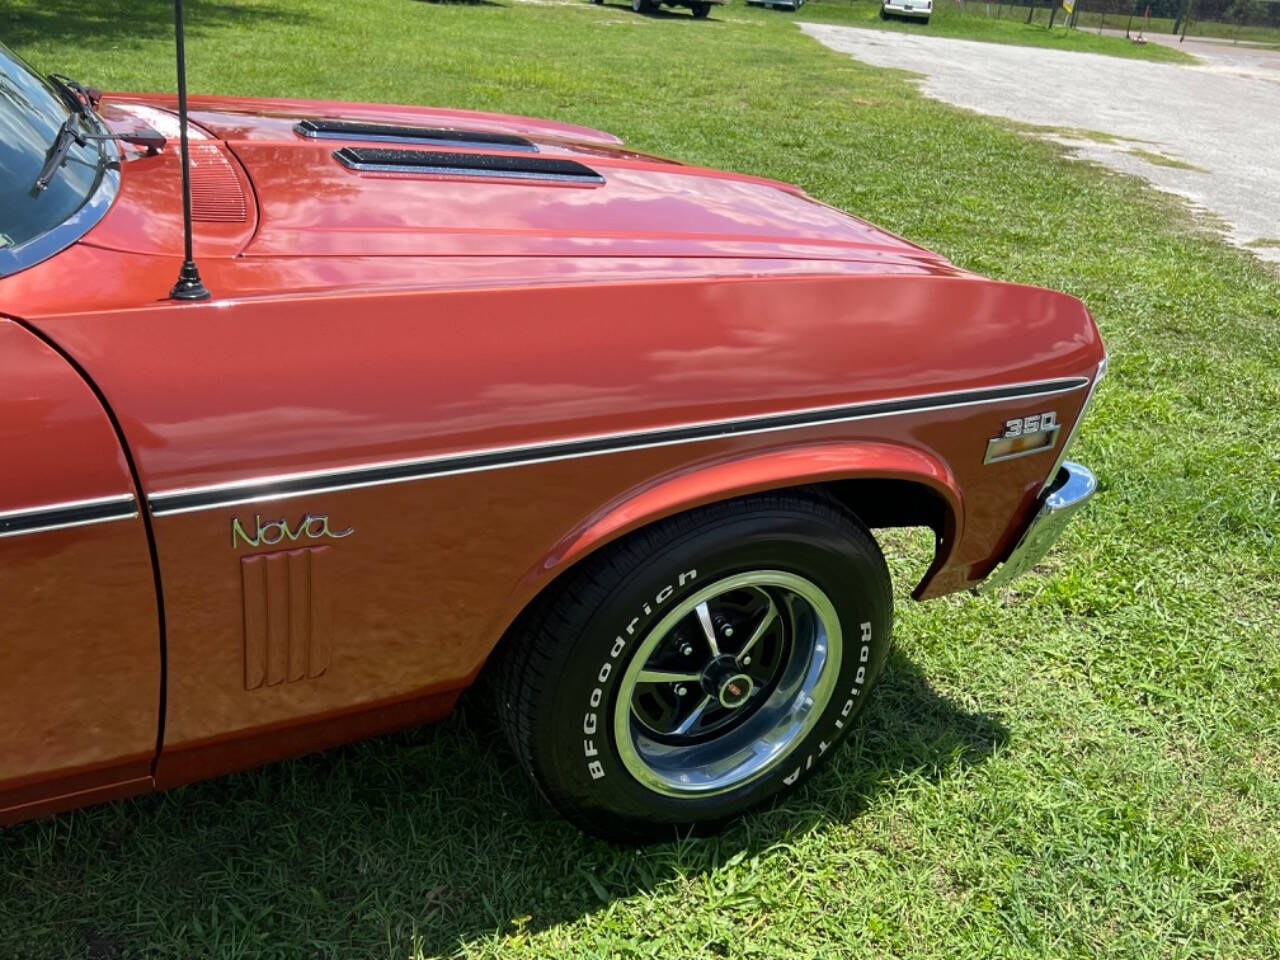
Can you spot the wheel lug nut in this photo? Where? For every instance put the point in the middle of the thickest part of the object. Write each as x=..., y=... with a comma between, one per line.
x=728, y=631
x=681, y=690
x=687, y=650
x=746, y=661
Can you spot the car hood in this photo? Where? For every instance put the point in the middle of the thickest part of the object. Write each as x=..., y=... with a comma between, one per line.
x=308, y=203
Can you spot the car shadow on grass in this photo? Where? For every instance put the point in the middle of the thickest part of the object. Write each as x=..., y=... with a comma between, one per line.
x=427, y=840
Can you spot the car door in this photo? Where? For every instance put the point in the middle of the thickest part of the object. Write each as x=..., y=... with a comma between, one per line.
x=80, y=670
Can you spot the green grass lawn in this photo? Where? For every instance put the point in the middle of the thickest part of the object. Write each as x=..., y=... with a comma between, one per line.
x=993, y=23
x=1087, y=764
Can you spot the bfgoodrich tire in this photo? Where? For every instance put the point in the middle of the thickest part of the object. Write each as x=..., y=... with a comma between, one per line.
x=696, y=667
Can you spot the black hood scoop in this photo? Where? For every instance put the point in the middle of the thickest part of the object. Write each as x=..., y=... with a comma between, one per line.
x=482, y=165
x=395, y=133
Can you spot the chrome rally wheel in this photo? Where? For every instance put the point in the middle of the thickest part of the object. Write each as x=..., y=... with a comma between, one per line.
x=727, y=684
x=699, y=665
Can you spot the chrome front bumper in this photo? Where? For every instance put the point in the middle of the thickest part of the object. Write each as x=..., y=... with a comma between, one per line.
x=1073, y=486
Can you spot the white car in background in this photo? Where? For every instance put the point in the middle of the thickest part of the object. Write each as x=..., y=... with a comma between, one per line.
x=916, y=9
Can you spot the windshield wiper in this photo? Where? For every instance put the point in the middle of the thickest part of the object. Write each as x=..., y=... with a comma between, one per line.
x=79, y=98
x=84, y=101
x=67, y=135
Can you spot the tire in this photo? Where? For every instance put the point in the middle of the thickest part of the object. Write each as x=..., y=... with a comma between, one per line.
x=622, y=755
x=700, y=10
x=883, y=14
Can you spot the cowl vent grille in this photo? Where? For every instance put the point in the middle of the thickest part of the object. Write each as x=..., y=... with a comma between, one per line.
x=481, y=165
x=395, y=133
x=216, y=193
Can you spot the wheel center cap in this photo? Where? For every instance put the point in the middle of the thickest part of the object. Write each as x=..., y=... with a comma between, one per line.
x=735, y=690
x=724, y=680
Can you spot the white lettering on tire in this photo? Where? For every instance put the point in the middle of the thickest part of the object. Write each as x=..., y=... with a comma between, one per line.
x=860, y=678
x=591, y=720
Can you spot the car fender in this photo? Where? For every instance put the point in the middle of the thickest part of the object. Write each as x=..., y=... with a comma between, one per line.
x=724, y=479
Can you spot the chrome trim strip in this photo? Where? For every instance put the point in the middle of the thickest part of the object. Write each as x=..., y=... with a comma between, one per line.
x=282, y=486
x=71, y=513
x=471, y=173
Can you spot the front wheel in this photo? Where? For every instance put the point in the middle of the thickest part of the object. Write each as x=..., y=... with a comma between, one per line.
x=684, y=674
x=700, y=10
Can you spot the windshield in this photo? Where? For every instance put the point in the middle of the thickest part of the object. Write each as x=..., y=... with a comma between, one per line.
x=31, y=114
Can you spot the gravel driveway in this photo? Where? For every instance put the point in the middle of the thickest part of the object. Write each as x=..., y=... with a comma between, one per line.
x=1218, y=120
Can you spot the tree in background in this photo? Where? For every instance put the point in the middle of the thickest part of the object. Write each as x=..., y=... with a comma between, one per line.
x=1241, y=12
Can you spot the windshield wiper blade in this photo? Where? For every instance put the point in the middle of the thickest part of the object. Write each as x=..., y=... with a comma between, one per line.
x=79, y=98
x=67, y=135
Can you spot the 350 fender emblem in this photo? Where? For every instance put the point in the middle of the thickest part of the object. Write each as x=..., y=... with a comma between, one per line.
x=314, y=526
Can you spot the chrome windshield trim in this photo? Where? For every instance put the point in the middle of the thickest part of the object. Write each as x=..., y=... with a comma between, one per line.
x=64, y=234
x=69, y=513
x=284, y=486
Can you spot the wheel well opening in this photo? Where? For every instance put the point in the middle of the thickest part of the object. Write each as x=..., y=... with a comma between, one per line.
x=892, y=503
x=882, y=503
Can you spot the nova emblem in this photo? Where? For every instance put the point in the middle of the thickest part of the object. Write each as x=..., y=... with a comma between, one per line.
x=314, y=526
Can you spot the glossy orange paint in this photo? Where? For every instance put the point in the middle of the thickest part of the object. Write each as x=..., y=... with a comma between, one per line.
x=365, y=319
x=79, y=640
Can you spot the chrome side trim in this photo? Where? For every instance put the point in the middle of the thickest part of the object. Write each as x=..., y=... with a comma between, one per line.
x=282, y=486
x=1073, y=486
x=71, y=513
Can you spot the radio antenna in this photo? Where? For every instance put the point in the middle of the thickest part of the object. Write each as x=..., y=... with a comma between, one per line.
x=189, y=285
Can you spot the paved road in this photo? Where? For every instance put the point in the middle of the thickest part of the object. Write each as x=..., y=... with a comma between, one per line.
x=1221, y=116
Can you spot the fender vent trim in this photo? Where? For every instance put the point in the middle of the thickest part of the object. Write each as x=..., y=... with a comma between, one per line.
x=481, y=165
x=320, y=129
x=288, y=621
